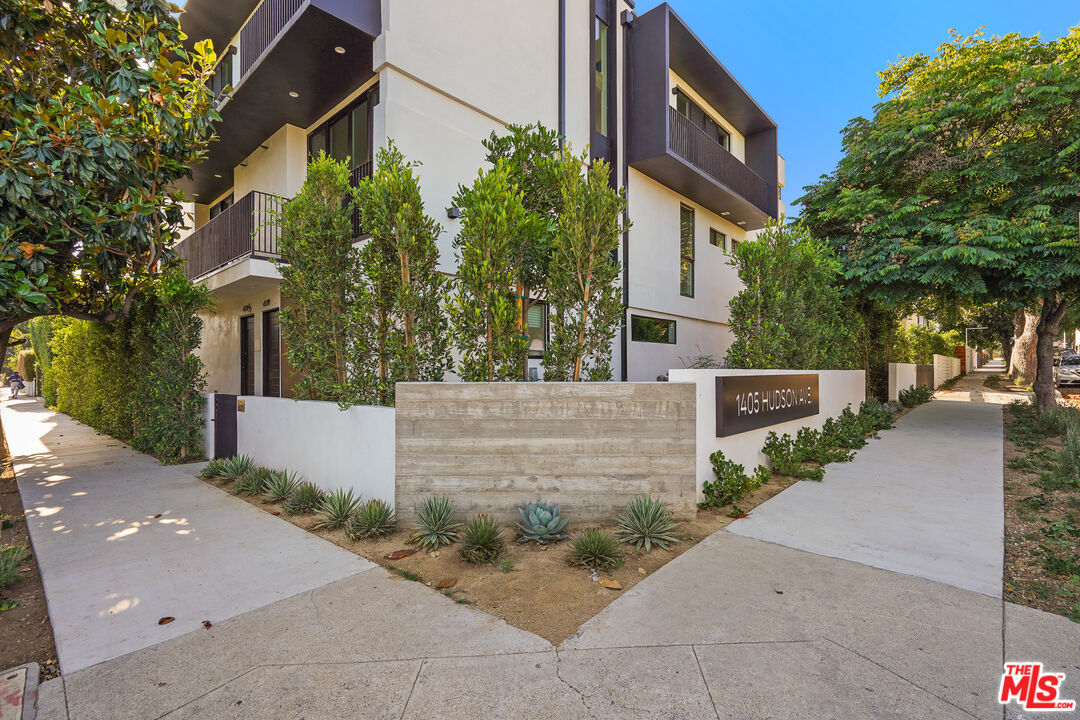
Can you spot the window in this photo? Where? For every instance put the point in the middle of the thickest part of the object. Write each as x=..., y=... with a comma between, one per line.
x=717, y=238
x=734, y=244
x=537, y=330
x=686, y=251
x=649, y=329
x=600, y=78
x=696, y=115
x=217, y=208
x=347, y=134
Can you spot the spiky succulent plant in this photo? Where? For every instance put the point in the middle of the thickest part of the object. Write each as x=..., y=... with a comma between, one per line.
x=647, y=522
x=281, y=486
x=213, y=470
x=235, y=467
x=372, y=519
x=337, y=509
x=254, y=481
x=597, y=549
x=306, y=498
x=482, y=541
x=541, y=522
x=436, y=523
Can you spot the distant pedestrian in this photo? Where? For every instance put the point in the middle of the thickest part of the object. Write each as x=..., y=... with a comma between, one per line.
x=15, y=380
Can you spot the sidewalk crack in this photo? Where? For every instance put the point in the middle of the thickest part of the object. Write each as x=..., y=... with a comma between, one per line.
x=701, y=670
x=567, y=683
x=412, y=689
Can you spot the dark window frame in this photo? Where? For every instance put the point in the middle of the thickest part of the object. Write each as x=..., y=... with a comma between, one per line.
x=637, y=336
x=684, y=257
x=221, y=206
x=713, y=234
x=322, y=132
x=546, y=309
x=247, y=369
x=266, y=353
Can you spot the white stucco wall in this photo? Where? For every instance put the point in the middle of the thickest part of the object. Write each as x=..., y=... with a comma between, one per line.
x=945, y=368
x=901, y=377
x=330, y=447
x=649, y=360
x=279, y=168
x=837, y=389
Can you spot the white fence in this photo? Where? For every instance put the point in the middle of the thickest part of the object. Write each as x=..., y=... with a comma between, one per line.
x=837, y=390
x=945, y=368
x=330, y=447
x=901, y=377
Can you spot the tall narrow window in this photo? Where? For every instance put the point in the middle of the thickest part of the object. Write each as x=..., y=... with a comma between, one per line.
x=600, y=78
x=686, y=251
x=537, y=330
x=360, y=148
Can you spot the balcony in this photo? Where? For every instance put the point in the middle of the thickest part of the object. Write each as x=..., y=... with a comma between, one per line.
x=247, y=229
x=667, y=147
x=295, y=60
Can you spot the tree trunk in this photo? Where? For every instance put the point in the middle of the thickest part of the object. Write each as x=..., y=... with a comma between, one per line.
x=1006, y=341
x=1053, y=308
x=1022, y=362
x=406, y=278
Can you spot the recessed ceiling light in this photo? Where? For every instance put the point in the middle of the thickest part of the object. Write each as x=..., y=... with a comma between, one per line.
x=195, y=195
x=293, y=93
x=217, y=175
x=725, y=213
x=339, y=50
x=741, y=222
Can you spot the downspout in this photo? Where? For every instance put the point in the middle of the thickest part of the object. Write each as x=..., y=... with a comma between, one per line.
x=562, y=73
x=625, y=339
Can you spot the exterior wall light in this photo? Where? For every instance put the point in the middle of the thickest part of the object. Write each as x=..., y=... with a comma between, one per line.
x=453, y=213
x=217, y=175
x=266, y=302
x=294, y=94
x=339, y=50
x=246, y=308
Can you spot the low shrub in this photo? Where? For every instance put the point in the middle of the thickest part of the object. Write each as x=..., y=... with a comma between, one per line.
x=915, y=395
x=282, y=484
x=337, y=509
x=791, y=459
x=647, y=522
x=597, y=549
x=255, y=481
x=874, y=415
x=11, y=557
x=541, y=522
x=731, y=483
x=482, y=541
x=372, y=519
x=305, y=499
x=436, y=523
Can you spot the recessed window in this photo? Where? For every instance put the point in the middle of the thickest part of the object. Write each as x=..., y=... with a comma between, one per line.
x=348, y=133
x=650, y=329
x=717, y=238
x=696, y=115
x=733, y=243
x=219, y=207
x=600, y=78
x=686, y=251
x=537, y=330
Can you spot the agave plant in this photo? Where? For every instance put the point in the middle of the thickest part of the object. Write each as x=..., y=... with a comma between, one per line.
x=647, y=522
x=541, y=522
x=306, y=498
x=255, y=481
x=213, y=470
x=482, y=541
x=436, y=523
x=372, y=519
x=282, y=485
x=235, y=467
x=336, y=509
x=597, y=549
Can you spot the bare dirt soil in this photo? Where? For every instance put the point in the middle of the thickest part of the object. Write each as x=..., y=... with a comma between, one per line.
x=1040, y=515
x=25, y=632
x=535, y=589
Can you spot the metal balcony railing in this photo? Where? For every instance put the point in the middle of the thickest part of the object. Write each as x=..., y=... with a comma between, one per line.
x=269, y=19
x=360, y=172
x=691, y=143
x=248, y=228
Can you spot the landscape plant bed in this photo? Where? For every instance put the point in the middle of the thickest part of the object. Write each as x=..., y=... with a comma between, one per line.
x=1042, y=517
x=540, y=592
x=25, y=631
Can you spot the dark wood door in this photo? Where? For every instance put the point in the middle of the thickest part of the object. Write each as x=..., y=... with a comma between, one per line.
x=224, y=425
x=271, y=352
x=247, y=355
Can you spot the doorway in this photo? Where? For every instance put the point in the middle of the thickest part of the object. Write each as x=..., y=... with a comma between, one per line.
x=247, y=355
x=271, y=351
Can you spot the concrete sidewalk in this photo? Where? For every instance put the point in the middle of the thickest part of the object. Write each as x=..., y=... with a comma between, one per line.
x=123, y=541
x=925, y=499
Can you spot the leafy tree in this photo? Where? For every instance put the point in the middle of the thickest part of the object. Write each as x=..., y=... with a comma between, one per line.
x=790, y=313
x=399, y=264
x=484, y=314
x=102, y=110
x=531, y=153
x=966, y=182
x=320, y=276
x=586, y=301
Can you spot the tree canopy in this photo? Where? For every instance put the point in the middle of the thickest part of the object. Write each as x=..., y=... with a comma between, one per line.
x=102, y=110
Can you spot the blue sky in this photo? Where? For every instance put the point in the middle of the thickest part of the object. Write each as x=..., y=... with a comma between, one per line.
x=813, y=65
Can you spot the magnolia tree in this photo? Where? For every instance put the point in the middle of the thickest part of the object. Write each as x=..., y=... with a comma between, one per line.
x=585, y=299
x=404, y=288
x=484, y=312
x=102, y=111
x=966, y=183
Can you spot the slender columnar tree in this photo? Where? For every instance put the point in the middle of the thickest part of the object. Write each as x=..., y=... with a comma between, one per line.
x=586, y=301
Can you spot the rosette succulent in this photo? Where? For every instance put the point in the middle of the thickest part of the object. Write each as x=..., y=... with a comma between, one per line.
x=541, y=522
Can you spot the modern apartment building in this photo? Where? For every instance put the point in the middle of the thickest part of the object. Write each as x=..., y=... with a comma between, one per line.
x=695, y=152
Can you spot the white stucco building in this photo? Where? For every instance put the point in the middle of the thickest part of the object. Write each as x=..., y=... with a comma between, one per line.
x=697, y=155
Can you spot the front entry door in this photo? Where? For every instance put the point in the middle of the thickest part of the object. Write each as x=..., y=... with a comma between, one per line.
x=271, y=352
x=247, y=355
x=224, y=425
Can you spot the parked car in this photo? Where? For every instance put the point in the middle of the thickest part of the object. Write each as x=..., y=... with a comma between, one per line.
x=1067, y=371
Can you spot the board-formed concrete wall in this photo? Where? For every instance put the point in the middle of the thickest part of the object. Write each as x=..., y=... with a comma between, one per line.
x=590, y=447
x=837, y=390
